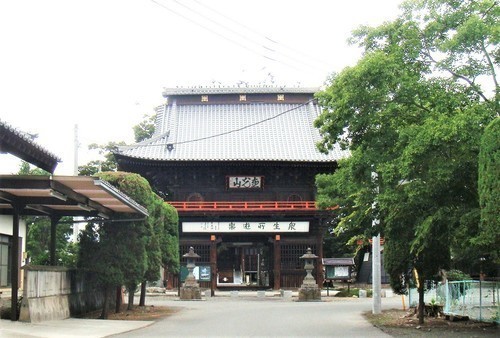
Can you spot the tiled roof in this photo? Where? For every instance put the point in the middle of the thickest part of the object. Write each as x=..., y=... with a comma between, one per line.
x=19, y=144
x=234, y=132
x=237, y=90
x=338, y=261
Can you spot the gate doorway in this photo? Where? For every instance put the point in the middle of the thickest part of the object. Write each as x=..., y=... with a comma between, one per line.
x=243, y=264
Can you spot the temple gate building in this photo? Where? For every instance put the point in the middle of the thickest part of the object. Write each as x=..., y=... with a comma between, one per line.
x=239, y=165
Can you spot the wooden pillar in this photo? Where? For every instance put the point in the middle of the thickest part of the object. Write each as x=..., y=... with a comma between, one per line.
x=320, y=277
x=14, y=271
x=277, y=262
x=169, y=277
x=213, y=264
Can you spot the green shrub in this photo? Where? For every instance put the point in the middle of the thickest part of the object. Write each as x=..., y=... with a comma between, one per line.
x=343, y=292
x=453, y=275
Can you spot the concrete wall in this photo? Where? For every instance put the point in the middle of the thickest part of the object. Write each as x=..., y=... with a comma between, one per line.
x=57, y=293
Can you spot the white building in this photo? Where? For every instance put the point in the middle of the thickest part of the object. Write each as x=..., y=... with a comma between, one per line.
x=5, y=244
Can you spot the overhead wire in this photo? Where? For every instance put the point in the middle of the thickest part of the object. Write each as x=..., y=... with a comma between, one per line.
x=234, y=42
x=263, y=36
x=205, y=27
x=229, y=131
x=274, y=58
x=270, y=49
x=234, y=32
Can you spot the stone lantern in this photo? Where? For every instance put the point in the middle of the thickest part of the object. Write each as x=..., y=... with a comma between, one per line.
x=309, y=290
x=190, y=289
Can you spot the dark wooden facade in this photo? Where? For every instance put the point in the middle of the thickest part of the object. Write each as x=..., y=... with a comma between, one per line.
x=199, y=192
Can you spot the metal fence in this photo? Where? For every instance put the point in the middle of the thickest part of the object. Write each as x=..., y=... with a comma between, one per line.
x=478, y=300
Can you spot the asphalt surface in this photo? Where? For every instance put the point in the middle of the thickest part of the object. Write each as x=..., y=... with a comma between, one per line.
x=245, y=315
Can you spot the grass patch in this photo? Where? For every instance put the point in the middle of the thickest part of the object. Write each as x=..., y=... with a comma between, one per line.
x=352, y=292
x=137, y=313
x=399, y=323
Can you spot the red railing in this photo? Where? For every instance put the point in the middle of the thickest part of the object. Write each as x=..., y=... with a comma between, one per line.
x=245, y=206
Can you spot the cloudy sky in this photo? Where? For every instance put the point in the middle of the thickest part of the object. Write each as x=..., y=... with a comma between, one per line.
x=103, y=64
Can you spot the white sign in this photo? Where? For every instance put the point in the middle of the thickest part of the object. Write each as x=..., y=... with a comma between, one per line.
x=341, y=271
x=244, y=182
x=228, y=227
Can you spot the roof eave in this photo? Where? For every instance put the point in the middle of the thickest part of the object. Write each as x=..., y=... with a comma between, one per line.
x=14, y=142
x=238, y=90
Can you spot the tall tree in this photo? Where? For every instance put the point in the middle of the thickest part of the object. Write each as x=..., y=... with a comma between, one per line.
x=132, y=236
x=154, y=235
x=413, y=110
x=170, y=240
x=100, y=255
x=489, y=191
x=145, y=128
x=142, y=131
x=107, y=163
x=118, y=249
x=163, y=242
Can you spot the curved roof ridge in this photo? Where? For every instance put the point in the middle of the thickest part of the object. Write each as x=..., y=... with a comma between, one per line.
x=237, y=90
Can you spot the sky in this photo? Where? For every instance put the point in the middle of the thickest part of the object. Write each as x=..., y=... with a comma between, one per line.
x=101, y=65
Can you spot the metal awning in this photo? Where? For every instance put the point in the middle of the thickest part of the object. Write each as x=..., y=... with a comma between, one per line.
x=55, y=197
x=58, y=196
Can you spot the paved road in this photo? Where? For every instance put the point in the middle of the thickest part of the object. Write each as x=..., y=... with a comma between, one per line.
x=264, y=317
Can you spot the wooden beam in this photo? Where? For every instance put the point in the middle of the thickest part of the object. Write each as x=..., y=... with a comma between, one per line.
x=213, y=263
x=277, y=262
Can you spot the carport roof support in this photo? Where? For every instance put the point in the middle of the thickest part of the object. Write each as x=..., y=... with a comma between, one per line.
x=57, y=196
x=64, y=196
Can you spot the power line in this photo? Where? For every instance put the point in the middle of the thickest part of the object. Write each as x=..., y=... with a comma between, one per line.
x=274, y=59
x=264, y=36
x=205, y=27
x=273, y=50
x=247, y=126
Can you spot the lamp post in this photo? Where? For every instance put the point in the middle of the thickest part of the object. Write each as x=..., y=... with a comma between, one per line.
x=191, y=256
x=308, y=258
x=309, y=290
x=191, y=289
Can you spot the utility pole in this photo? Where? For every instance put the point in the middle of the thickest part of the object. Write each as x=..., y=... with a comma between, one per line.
x=376, y=278
x=76, y=145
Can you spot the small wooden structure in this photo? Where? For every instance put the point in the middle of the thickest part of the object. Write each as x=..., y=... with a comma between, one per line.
x=339, y=269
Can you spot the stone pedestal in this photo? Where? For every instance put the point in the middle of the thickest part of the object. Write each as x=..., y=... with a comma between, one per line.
x=190, y=292
x=309, y=293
